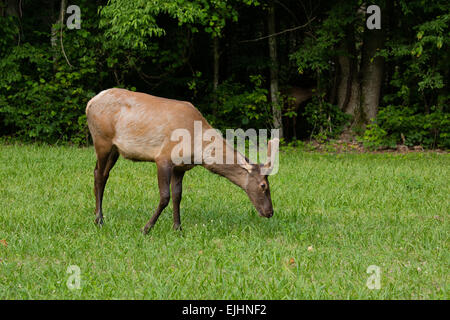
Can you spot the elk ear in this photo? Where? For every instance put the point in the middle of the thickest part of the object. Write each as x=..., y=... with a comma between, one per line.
x=244, y=163
x=272, y=149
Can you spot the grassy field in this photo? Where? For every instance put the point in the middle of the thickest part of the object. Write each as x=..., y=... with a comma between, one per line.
x=335, y=215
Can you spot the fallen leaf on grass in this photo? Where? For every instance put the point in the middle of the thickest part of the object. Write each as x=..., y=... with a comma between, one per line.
x=3, y=242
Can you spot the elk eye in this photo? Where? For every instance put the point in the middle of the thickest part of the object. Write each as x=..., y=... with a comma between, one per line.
x=263, y=186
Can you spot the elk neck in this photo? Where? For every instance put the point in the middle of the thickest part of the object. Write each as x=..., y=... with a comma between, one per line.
x=232, y=171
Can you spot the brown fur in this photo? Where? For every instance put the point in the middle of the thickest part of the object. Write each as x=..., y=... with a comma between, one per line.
x=294, y=97
x=138, y=126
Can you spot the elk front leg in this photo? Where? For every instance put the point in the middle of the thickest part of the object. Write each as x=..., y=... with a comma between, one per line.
x=177, y=188
x=164, y=175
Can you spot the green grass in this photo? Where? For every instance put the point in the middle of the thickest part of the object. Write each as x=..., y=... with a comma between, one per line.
x=355, y=210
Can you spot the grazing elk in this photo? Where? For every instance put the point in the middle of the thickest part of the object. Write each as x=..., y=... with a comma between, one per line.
x=139, y=126
x=293, y=98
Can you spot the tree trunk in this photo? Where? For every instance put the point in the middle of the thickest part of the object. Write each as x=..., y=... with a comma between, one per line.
x=354, y=104
x=276, y=108
x=216, y=56
x=54, y=31
x=372, y=73
x=11, y=8
x=348, y=95
x=332, y=93
x=344, y=82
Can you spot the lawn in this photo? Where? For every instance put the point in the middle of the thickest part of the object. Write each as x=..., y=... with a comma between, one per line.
x=335, y=215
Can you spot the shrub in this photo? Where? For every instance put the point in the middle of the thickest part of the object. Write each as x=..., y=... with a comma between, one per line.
x=41, y=105
x=374, y=137
x=429, y=130
x=325, y=119
x=239, y=106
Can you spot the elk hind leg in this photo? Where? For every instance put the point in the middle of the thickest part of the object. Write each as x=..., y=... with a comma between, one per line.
x=106, y=159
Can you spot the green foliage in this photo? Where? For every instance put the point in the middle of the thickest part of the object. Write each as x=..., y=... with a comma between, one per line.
x=417, y=53
x=239, y=106
x=164, y=48
x=325, y=119
x=417, y=100
x=401, y=125
x=42, y=98
x=42, y=106
x=133, y=23
x=428, y=130
x=374, y=137
x=421, y=59
x=9, y=28
x=319, y=48
x=424, y=61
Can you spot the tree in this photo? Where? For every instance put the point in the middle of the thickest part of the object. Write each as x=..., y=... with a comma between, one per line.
x=276, y=108
x=372, y=67
x=56, y=29
x=343, y=37
x=219, y=54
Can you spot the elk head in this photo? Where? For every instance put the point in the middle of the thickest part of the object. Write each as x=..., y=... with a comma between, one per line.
x=257, y=186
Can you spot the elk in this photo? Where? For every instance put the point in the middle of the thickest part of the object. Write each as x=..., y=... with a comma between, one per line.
x=138, y=126
x=293, y=98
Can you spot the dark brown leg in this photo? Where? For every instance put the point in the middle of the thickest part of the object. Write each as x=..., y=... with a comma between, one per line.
x=105, y=162
x=164, y=176
x=286, y=127
x=95, y=187
x=177, y=188
x=294, y=127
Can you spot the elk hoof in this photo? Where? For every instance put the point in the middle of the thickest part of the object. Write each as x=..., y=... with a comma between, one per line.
x=146, y=229
x=99, y=221
x=177, y=227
